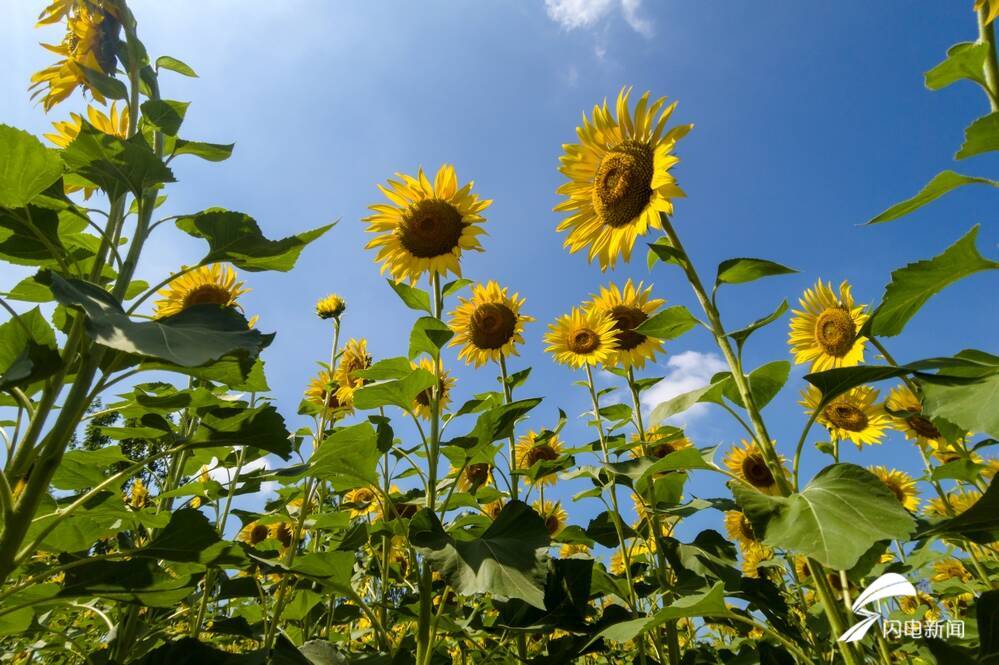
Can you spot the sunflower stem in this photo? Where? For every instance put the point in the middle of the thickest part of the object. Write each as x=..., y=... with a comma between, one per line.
x=987, y=35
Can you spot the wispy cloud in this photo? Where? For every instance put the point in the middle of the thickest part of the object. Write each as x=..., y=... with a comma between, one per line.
x=685, y=372
x=573, y=14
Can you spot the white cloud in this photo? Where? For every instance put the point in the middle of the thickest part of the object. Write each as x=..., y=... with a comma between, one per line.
x=685, y=372
x=573, y=14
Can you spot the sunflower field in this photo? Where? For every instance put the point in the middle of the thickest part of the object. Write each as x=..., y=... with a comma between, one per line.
x=398, y=521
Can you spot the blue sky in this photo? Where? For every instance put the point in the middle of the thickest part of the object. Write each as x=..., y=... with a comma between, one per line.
x=809, y=118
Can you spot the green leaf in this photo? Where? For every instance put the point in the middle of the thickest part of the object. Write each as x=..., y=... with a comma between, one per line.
x=668, y=324
x=455, y=286
x=195, y=336
x=82, y=469
x=261, y=427
x=662, y=250
x=107, y=85
x=740, y=336
x=165, y=114
x=764, y=383
x=413, y=297
x=603, y=530
x=835, y=519
x=964, y=61
x=496, y=423
x=979, y=523
x=390, y=368
x=970, y=403
x=30, y=290
x=942, y=183
x=711, y=603
x=136, y=580
x=175, y=65
x=347, y=458
x=740, y=271
x=508, y=561
x=429, y=336
x=399, y=392
x=236, y=238
x=987, y=614
x=28, y=351
x=190, y=537
x=116, y=166
x=912, y=286
x=981, y=136
x=833, y=382
x=671, y=407
x=28, y=168
x=211, y=152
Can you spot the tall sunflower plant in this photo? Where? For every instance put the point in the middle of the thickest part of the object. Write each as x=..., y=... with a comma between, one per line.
x=407, y=525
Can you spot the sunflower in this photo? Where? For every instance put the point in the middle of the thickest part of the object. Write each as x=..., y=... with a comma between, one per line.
x=581, y=338
x=852, y=415
x=425, y=227
x=322, y=392
x=747, y=462
x=569, y=550
x=361, y=501
x=660, y=442
x=958, y=501
x=752, y=557
x=138, y=496
x=991, y=8
x=421, y=405
x=635, y=550
x=475, y=476
x=901, y=485
x=906, y=410
x=949, y=569
x=90, y=42
x=740, y=529
x=283, y=532
x=206, y=285
x=553, y=514
x=488, y=325
x=912, y=604
x=619, y=177
x=253, y=533
x=532, y=448
x=115, y=123
x=330, y=307
x=493, y=508
x=824, y=332
x=354, y=359
x=629, y=307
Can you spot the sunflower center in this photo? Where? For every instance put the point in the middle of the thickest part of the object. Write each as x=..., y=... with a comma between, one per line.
x=430, y=228
x=626, y=319
x=207, y=294
x=477, y=474
x=552, y=524
x=835, y=331
x=923, y=427
x=583, y=341
x=746, y=528
x=492, y=325
x=258, y=534
x=897, y=491
x=754, y=470
x=623, y=183
x=846, y=416
x=540, y=452
x=423, y=398
x=661, y=450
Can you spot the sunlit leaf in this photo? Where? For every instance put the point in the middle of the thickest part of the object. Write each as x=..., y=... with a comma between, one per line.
x=964, y=61
x=942, y=183
x=670, y=323
x=429, y=336
x=28, y=168
x=413, y=297
x=115, y=165
x=742, y=270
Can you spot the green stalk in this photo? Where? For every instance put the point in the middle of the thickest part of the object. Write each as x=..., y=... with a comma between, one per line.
x=987, y=35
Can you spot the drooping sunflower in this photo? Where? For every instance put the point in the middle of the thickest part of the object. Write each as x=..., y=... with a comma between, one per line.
x=90, y=42
x=283, y=532
x=949, y=569
x=488, y=325
x=629, y=307
x=354, y=358
x=824, y=332
x=581, y=338
x=619, y=177
x=959, y=501
x=660, y=441
x=907, y=410
x=991, y=8
x=254, y=533
x=330, y=307
x=533, y=448
x=753, y=556
x=553, y=514
x=206, y=285
x=901, y=484
x=425, y=226
x=853, y=415
x=475, y=476
x=747, y=462
x=740, y=529
x=361, y=500
x=421, y=405
x=493, y=508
